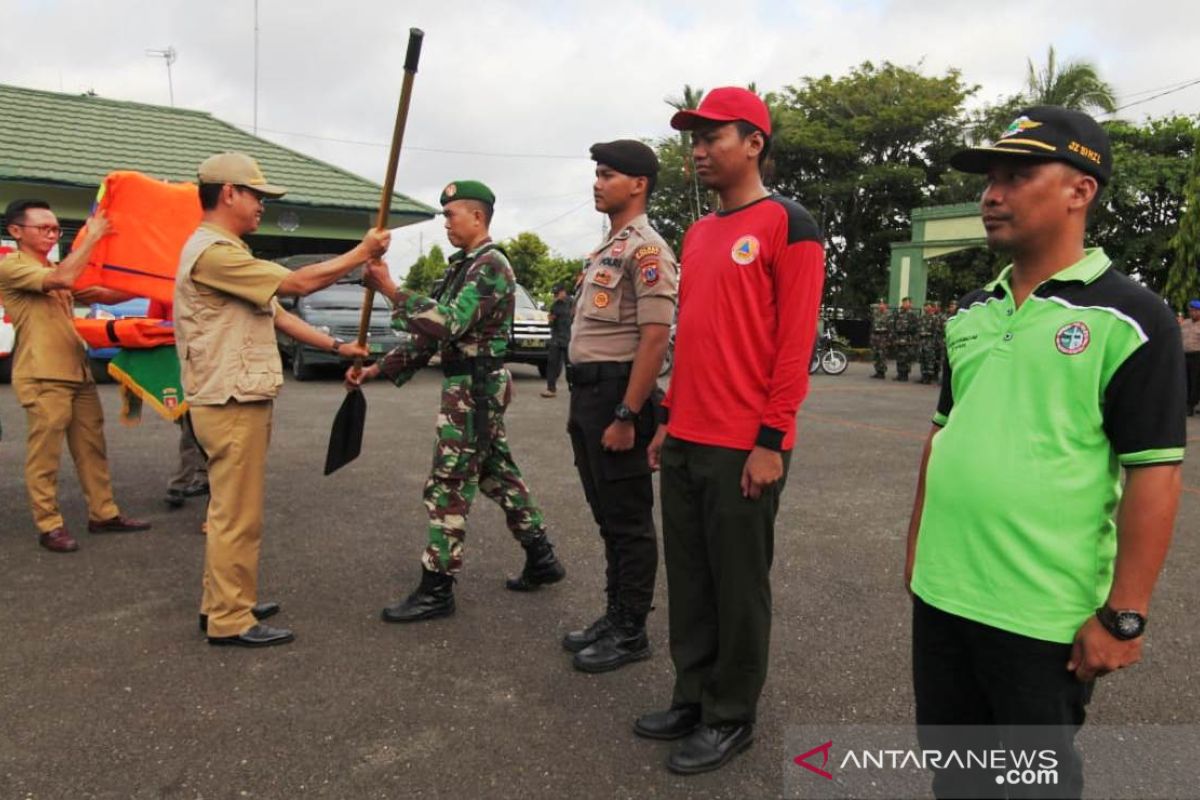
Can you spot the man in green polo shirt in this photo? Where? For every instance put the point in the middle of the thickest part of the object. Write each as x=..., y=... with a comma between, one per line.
x=1031, y=571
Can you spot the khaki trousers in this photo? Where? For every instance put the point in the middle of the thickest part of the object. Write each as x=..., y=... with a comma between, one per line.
x=235, y=437
x=54, y=409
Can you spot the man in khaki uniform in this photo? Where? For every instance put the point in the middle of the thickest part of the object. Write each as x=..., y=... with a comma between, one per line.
x=623, y=313
x=50, y=372
x=225, y=321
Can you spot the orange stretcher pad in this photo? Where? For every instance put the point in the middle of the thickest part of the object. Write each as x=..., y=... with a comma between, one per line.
x=151, y=221
x=131, y=332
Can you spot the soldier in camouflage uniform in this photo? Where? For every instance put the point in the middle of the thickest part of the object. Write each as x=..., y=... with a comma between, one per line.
x=905, y=326
x=881, y=331
x=468, y=322
x=930, y=327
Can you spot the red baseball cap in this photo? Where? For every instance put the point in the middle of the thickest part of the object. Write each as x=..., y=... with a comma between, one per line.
x=726, y=104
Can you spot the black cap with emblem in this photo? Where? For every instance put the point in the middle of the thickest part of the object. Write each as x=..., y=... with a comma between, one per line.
x=627, y=156
x=1047, y=133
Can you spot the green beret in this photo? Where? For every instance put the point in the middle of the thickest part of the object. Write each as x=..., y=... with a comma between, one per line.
x=468, y=190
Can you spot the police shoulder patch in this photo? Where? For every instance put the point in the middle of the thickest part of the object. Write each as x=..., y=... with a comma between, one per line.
x=646, y=250
x=650, y=272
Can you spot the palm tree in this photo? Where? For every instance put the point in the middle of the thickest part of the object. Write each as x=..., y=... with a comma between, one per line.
x=1075, y=84
x=688, y=101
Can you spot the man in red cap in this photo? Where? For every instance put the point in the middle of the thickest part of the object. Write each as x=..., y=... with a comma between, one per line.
x=747, y=319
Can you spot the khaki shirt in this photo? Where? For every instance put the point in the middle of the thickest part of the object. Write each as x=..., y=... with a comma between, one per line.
x=1191, y=335
x=632, y=279
x=47, y=346
x=233, y=269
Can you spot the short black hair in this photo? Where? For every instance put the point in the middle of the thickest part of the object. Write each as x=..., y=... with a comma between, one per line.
x=210, y=195
x=486, y=208
x=744, y=129
x=14, y=213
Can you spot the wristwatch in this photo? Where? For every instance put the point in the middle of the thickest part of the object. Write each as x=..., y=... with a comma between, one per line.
x=624, y=413
x=337, y=345
x=1124, y=625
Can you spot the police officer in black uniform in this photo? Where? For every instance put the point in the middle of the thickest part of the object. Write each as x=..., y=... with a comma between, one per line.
x=623, y=312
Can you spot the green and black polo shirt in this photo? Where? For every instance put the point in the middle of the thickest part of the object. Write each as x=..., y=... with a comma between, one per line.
x=1040, y=408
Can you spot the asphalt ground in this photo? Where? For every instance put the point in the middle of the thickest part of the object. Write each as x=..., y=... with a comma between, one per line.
x=107, y=689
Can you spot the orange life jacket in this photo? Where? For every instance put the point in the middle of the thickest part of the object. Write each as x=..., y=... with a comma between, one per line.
x=134, y=332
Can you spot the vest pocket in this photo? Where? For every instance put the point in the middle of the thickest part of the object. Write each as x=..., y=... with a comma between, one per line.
x=261, y=373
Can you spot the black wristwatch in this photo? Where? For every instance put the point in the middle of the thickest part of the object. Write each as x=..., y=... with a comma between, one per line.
x=624, y=413
x=1124, y=625
x=337, y=345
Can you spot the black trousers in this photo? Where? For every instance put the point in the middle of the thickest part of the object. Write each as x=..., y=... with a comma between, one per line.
x=969, y=674
x=1192, y=362
x=556, y=359
x=718, y=547
x=620, y=493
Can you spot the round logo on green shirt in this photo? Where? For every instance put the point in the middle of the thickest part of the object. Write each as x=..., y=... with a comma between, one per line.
x=1073, y=338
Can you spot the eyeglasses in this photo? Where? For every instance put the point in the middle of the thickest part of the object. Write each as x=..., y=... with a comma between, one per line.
x=257, y=195
x=44, y=230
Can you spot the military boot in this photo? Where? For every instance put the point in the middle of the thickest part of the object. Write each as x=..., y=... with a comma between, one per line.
x=575, y=641
x=624, y=643
x=542, y=567
x=434, y=597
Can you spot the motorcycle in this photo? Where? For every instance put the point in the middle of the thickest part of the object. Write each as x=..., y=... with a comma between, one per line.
x=828, y=355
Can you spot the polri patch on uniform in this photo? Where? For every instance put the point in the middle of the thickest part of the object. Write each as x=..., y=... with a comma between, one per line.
x=648, y=250
x=650, y=273
x=602, y=278
x=618, y=248
x=600, y=300
x=745, y=250
x=1072, y=338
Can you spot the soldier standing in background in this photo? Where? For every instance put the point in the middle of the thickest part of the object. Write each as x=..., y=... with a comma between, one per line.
x=469, y=323
x=560, y=339
x=930, y=326
x=905, y=326
x=881, y=331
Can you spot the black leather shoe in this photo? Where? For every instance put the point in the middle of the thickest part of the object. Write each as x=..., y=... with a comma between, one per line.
x=542, y=567
x=261, y=611
x=433, y=598
x=196, y=489
x=710, y=747
x=674, y=723
x=258, y=636
x=624, y=643
x=575, y=641
x=175, y=498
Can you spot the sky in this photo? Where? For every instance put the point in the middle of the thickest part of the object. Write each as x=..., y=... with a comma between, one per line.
x=514, y=93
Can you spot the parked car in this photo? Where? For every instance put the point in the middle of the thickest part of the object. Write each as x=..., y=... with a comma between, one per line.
x=8, y=337
x=336, y=310
x=98, y=357
x=530, y=340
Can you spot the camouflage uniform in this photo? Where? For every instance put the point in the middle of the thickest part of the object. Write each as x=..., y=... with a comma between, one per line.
x=905, y=326
x=881, y=331
x=928, y=331
x=470, y=317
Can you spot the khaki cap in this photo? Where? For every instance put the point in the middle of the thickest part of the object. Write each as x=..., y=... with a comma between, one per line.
x=238, y=169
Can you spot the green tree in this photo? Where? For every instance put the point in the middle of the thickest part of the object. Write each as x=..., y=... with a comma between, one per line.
x=672, y=207
x=1183, y=278
x=1141, y=208
x=425, y=270
x=526, y=252
x=860, y=152
x=1075, y=84
x=556, y=269
x=688, y=101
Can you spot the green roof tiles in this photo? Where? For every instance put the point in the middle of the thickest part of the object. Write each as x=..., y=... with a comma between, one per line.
x=48, y=137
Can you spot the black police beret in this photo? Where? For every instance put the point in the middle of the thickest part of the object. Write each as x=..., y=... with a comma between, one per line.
x=627, y=156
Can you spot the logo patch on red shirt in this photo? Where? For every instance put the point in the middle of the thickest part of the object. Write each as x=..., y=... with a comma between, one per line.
x=745, y=250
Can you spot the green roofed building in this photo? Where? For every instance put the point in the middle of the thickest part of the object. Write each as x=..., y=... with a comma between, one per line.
x=58, y=147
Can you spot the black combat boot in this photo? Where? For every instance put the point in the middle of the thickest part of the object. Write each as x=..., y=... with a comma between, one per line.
x=433, y=598
x=575, y=641
x=542, y=567
x=624, y=643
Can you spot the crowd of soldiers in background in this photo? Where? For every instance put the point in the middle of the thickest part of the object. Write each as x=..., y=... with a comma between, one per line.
x=906, y=335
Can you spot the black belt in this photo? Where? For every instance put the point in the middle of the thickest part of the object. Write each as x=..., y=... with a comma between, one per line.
x=471, y=366
x=592, y=372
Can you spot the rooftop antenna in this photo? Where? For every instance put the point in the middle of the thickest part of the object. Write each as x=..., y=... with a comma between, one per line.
x=168, y=55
